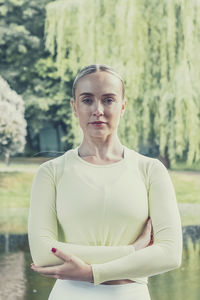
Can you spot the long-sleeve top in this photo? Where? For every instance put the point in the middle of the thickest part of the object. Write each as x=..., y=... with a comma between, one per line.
x=96, y=212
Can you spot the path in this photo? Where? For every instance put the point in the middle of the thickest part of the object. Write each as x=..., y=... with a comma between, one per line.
x=12, y=277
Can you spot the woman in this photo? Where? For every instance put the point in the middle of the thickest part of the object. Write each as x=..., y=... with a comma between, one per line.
x=88, y=222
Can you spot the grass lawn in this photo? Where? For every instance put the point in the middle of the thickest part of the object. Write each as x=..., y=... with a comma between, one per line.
x=15, y=189
x=15, y=186
x=187, y=186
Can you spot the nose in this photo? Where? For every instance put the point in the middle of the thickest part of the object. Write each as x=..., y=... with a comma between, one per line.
x=98, y=109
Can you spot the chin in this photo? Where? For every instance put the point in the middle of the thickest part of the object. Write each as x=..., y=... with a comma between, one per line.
x=97, y=134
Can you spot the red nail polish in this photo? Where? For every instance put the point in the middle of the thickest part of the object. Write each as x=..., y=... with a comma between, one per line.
x=53, y=250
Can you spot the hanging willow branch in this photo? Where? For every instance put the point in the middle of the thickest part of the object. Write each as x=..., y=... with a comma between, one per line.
x=155, y=46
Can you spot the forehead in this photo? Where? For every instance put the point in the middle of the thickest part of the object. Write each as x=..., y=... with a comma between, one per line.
x=99, y=83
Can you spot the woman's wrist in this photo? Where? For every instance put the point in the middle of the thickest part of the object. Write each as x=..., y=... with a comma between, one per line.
x=88, y=274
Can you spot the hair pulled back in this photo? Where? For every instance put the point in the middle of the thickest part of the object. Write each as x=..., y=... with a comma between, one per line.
x=96, y=68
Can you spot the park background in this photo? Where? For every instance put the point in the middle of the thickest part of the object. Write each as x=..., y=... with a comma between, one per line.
x=155, y=46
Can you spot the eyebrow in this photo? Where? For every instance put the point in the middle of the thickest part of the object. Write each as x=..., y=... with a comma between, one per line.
x=90, y=94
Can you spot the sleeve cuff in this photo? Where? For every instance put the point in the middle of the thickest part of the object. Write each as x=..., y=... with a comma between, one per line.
x=97, y=280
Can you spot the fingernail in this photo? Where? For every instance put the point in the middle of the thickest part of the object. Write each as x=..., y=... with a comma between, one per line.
x=53, y=250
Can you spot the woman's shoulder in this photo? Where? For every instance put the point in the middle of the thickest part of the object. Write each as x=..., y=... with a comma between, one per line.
x=54, y=167
x=142, y=159
x=58, y=161
x=148, y=166
x=151, y=169
x=52, y=162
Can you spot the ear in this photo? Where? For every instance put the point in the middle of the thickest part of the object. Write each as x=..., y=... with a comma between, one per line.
x=123, y=107
x=73, y=104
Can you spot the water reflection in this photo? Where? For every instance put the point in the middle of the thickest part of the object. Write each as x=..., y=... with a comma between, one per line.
x=182, y=283
x=38, y=287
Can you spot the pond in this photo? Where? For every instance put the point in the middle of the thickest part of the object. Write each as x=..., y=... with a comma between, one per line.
x=19, y=282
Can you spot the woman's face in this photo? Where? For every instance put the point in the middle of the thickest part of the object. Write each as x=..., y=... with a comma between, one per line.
x=98, y=98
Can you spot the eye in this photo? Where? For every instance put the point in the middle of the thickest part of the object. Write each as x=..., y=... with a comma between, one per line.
x=109, y=100
x=87, y=100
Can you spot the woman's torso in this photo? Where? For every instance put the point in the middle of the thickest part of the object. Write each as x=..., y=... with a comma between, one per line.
x=101, y=204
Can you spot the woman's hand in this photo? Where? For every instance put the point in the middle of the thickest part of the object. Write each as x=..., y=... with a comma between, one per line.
x=73, y=268
x=146, y=238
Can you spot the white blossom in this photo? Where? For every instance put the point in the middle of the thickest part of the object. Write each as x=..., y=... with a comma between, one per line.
x=12, y=122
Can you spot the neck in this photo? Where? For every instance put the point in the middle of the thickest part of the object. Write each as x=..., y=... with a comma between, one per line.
x=109, y=148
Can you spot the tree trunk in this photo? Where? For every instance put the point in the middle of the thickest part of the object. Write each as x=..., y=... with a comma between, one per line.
x=7, y=158
x=165, y=159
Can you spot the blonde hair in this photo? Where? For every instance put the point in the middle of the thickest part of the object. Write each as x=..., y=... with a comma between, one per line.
x=96, y=68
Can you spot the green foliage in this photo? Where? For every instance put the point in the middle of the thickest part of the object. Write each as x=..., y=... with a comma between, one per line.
x=50, y=101
x=28, y=67
x=155, y=45
x=21, y=31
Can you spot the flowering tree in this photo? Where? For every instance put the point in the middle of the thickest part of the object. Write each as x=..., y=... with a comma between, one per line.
x=12, y=122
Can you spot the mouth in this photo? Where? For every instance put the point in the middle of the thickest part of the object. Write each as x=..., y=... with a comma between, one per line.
x=97, y=122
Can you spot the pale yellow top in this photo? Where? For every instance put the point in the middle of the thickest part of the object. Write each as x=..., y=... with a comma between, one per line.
x=96, y=212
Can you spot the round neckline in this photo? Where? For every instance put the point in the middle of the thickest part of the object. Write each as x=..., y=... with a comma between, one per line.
x=122, y=161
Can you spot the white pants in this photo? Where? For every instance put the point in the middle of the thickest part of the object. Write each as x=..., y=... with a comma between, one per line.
x=82, y=290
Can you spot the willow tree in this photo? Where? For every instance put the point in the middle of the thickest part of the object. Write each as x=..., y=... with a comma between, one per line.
x=155, y=46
